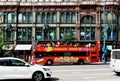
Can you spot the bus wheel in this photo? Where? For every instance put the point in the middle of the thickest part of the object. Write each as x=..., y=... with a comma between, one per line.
x=49, y=62
x=80, y=62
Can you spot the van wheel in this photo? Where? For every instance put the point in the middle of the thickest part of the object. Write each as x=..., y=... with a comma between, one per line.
x=38, y=76
x=49, y=62
x=80, y=62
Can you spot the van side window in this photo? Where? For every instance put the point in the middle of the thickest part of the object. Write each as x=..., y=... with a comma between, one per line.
x=116, y=55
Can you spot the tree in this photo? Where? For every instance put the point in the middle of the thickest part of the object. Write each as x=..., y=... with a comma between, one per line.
x=68, y=36
x=1, y=41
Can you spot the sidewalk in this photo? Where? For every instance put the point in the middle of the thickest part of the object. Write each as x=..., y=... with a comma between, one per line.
x=100, y=63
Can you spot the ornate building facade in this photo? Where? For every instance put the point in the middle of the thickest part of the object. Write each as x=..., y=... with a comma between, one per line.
x=24, y=20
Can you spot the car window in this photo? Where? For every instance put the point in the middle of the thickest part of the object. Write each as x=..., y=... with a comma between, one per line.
x=4, y=62
x=13, y=62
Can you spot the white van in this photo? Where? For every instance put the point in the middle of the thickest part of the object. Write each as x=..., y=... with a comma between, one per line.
x=115, y=61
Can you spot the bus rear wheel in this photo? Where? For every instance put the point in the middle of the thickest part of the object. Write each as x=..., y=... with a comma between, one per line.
x=49, y=62
x=80, y=62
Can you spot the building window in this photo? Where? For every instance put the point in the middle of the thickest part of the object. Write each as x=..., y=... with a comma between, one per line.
x=63, y=17
x=39, y=33
x=65, y=30
x=87, y=33
x=68, y=19
x=8, y=33
x=30, y=18
x=22, y=17
x=48, y=18
x=73, y=15
x=54, y=17
x=43, y=17
x=49, y=34
x=24, y=33
x=9, y=17
x=38, y=17
x=52, y=33
x=109, y=26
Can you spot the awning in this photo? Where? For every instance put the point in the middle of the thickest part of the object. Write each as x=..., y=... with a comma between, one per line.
x=23, y=47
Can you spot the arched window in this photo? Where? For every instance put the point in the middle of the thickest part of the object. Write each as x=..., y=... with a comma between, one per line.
x=30, y=17
x=87, y=32
x=62, y=17
x=73, y=17
x=24, y=18
x=102, y=17
x=20, y=18
x=49, y=18
x=43, y=17
x=9, y=17
x=54, y=17
x=38, y=16
x=109, y=17
x=68, y=17
x=88, y=19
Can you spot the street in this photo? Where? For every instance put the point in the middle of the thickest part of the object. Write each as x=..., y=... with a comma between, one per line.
x=92, y=72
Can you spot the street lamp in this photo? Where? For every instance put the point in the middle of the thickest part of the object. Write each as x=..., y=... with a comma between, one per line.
x=33, y=27
x=103, y=49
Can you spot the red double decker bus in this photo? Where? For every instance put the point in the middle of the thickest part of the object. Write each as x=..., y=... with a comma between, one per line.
x=62, y=52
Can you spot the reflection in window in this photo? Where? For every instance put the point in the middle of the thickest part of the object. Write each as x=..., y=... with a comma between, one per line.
x=38, y=16
x=88, y=19
x=24, y=33
x=64, y=31
x=49, y=18
x=9, y=18
x=68, y=17
x=73, y=17
x=43, y=18
x=52, y=33
x=8, y=33
x=62, y=18
x=20, y=18
x=38, y=33
x=87, y=33
x=30, y=18
x=54, y=17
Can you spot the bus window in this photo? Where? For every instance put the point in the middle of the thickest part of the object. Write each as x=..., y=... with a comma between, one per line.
x=93, y=52
x=67, y=54
x=80, y=53
x=38, y=55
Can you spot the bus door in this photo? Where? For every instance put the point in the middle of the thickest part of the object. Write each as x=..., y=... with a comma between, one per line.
x=66, y=58
x=94, y=56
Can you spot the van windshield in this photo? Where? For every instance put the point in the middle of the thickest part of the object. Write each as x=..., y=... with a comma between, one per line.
x=116, y=55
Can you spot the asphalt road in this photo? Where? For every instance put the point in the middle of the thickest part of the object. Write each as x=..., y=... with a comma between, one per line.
x=92, y=72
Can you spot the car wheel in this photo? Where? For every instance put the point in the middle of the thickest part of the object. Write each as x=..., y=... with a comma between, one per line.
x=80, y=62
x=118, y=73
x=49, y=62
x=38, y=76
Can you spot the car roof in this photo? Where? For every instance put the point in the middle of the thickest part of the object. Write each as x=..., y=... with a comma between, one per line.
x=8, y=58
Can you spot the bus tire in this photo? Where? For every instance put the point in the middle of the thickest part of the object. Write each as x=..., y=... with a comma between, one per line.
x=49, y=62
x=80, y=62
